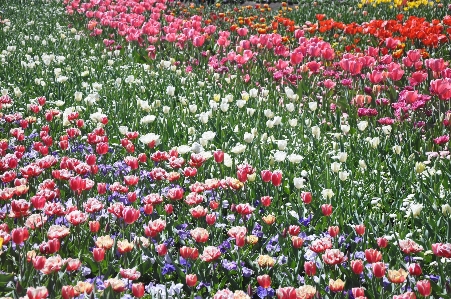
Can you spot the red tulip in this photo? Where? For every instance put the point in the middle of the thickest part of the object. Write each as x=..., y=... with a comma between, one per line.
x=306, y=197
x=286, y=293
x=218, y=156
x=294, y=230
x=266, y=175
x=382, y=242
x=379, y=269
x=333, y=231
x=168, y=208
x=130, y=215
x=94, y=226
x=138, y=289
x=191, y=280
x=276, y=178
x=102, y=148
x=39, y=262
x=68, y=292
x=210, y=218
x=148, y=209
x=357, y=266
x=310, y=268
x=415, y=269
x=360, y=229
x=37, y=293
x=98, y=254
x=373, y=255
x=161, y=249
x=19, y=235
x=266, y=201
x=264, y=281
x=297, y=242
x=358, y=292
x=424, y=287
x=326, y=209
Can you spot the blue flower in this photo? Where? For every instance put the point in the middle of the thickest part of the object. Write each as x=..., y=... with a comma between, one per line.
x=247, y=272
x=168, y=268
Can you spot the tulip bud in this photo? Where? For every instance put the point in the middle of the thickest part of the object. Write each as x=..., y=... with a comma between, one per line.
x=310, y=268
x=138, y=289
x=168, y=208
x=357, y=266
x=94, y=226
x=333, y=231
x=424, y=287
x=98, y=254
x=382, y=242
x=415, y=269
x=306, y=197
x=360, y=229
x=326, y=209
x=161, y=249
x=379, y=269
x=191, y=280
x=210, y=218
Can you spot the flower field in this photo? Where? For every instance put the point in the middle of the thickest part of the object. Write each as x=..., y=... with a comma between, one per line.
x=161, y=149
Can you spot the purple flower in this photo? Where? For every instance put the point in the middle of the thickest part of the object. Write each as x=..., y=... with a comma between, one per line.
x=257, y=231
x=247, y=272
x=168, y=268
x=229, y=265
x=224, y=246
x=305, y=221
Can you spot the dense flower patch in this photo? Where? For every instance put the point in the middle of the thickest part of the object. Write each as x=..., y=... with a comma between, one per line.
x=161, y=150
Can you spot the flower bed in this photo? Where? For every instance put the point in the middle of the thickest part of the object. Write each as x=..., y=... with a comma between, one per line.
x=157, y=149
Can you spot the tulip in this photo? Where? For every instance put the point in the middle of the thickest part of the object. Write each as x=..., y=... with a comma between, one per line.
x=168, y=208
x=276, y=178
x=358, y=292
x=94, y=226
x=39, y=262
x=379, y=269
x=297, y=242
x=357, y=266
x=326, y=209
x=37, y=293
x=67, y=292
x=264, y=281
x=382, y=242
x=210, y=218
x=266, y=175
x=310, y=268
x=266, y=201
x=98, y=254
x=373, y=255
x=333, y=231
x=161, y=249
x=138, y=289
x=306, y=197
x=218, y=156
x=19, y=235
x=360, y=229
x=415, y=269
x=286, y=293
x=336, y=285
x=424, y=287
x=191, y=280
